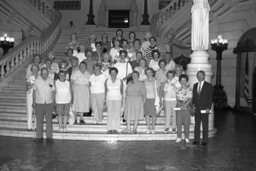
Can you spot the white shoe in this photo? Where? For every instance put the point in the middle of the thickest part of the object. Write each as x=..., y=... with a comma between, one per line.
x=187, y=140
x=60, y=130
x=148, y=131
x=178, y=140
x=153, y=131
x=65, y=130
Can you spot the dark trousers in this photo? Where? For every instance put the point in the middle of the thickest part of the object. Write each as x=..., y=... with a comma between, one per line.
x=204, y=118
x=41, y=111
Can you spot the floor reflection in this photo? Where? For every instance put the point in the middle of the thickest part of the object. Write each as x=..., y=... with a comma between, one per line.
x=233, y=148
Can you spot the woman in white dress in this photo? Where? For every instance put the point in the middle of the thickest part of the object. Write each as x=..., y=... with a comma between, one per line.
x=30, y=85
x=80, y=85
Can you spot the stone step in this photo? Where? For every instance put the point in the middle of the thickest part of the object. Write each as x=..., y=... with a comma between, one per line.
x=89, y=120
x=8, y=103
x=12, y=88
x=13, y=100
x=142, y=127
x=92, y=136
x=14, y=91
x=3, y=94
x=13, y=109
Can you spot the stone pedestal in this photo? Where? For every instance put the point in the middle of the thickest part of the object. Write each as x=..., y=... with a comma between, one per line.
x=199, y=61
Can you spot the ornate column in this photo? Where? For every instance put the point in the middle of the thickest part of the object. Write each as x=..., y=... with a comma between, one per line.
x=145, y=15
x=90, y=20
x=199, y=46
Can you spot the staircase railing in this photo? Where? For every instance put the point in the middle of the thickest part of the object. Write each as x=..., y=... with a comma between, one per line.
x=33, y=45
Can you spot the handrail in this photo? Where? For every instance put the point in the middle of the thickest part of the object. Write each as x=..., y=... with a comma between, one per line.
x=25, y=50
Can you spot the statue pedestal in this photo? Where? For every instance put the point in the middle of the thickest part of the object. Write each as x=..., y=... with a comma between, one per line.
x=199, y=61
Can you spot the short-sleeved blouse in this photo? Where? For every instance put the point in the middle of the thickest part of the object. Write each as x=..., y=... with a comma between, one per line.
x=184, y=94
x=142, y=73
x=153, y=64
x=151, y=89
x=80, y=78
x=161, y=76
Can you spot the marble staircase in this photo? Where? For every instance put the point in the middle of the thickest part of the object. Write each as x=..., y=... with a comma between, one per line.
x=13, y=107
x=84, y=33
x=13, y=120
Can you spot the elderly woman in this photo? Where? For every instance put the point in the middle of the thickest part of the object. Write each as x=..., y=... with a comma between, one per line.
x=135, y=99
x=97, y=81
x=184, y=97
x=170, y=101
x=89, y=61
x=141, y=69
x=30, y=85
x=97, y=55
x=36, y=61
x=106, y=44
x=106, y=64
x=161, y=76
x=124, y=68
x=154, y=62
x=80, y=85
x=73, y=66
x=153, y=46
x=114, y=51
x=63, y=99
x=81, y=54
x=114, y=92
x=152, y=94
x=73, y=44
x=119, y=36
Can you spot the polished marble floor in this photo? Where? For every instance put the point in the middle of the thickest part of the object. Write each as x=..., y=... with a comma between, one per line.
x=233, y=148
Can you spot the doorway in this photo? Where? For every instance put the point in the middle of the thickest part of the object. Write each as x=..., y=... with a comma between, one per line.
x=118, y=19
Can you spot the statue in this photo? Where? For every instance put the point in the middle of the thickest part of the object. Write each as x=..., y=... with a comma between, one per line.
x=200, y=25
x=133, y=14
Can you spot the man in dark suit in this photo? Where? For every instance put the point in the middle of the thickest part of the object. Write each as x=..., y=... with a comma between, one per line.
x=202, y=102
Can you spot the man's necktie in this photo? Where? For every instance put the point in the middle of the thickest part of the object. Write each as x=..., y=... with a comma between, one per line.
x=199, y=88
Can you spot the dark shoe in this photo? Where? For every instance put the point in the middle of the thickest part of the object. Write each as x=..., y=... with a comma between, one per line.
x=39, y=140
x=204, y=144
x=49, y=140
x=82, y=122
x=75, y=123
x=30, y=130
x=54, y=116
x=114, y=132
x=109, y=132
x=195, y=143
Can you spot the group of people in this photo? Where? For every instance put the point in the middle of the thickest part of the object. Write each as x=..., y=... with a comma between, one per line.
x=126, y=77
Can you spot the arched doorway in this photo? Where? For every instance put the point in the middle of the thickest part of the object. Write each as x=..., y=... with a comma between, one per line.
x=246, y=72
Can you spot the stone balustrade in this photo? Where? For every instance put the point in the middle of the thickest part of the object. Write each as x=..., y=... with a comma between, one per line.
x=44, y=7
x=167, y=12
x=25, y=50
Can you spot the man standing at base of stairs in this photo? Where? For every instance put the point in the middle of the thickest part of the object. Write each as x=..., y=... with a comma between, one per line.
x=43, y=101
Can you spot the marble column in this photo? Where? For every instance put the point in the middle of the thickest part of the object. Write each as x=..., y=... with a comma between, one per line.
x=200, y=60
